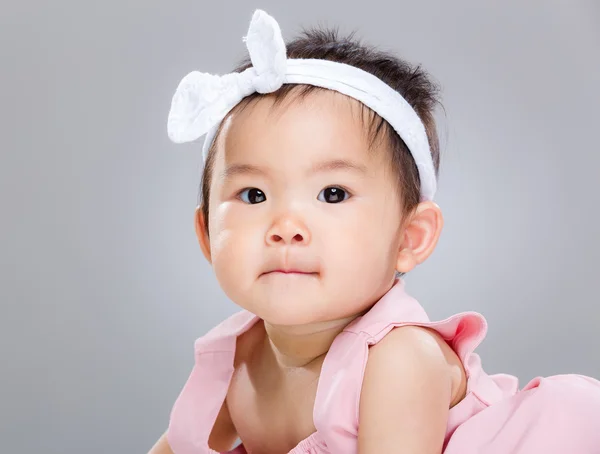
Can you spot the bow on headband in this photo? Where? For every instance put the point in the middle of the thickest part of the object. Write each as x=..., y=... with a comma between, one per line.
x=202, y=100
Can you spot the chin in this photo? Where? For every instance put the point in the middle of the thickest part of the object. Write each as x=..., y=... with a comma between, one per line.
x=289, y=320
x=293, y=300
x=289, y=310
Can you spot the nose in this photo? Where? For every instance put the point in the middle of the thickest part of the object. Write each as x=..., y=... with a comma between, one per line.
x=288, y=230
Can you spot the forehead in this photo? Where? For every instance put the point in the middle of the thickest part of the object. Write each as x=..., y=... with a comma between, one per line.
x=324, y=124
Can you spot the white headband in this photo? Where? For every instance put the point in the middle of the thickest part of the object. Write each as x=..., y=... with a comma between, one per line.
x=202, y=100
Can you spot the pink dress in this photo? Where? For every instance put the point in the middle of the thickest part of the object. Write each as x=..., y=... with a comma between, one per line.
x=559, y=414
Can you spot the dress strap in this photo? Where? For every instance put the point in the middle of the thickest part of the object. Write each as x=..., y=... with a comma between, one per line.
x=195, y=411
x=337, y=402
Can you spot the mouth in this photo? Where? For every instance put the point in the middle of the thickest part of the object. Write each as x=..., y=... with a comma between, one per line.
x=290, y=272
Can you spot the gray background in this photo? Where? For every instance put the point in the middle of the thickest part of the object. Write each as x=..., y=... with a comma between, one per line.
x=102, y=286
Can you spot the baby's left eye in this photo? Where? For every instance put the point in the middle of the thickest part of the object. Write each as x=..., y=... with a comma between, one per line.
x=333, y=194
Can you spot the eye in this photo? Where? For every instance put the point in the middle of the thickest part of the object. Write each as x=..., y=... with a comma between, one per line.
x=333, y=194
x=252, y=196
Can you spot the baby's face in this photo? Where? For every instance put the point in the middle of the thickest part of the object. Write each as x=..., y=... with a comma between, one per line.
x=304, y=219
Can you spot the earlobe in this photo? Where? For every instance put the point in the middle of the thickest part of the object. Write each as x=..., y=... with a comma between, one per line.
x=201, y=233
x=420, y=236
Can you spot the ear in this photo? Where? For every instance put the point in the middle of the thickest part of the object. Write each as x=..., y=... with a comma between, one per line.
x=420, y=236
x=201, y=233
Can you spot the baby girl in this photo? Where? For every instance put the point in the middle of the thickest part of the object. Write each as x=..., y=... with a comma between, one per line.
x=320, y=165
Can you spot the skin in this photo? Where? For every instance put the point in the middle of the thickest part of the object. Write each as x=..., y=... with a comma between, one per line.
x=345, y=254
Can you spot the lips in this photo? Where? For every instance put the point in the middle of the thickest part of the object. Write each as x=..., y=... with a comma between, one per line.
x=290, y=271
x=287, y=263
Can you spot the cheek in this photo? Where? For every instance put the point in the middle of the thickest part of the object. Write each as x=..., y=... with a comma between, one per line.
x=361, y=255
x=235, y=246
x=364, y=238
x=230, y=261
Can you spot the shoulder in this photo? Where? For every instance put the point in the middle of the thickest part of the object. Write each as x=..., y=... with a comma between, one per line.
x=222, y=337
x=408, y=346
x=416, y=355
x=406, y=393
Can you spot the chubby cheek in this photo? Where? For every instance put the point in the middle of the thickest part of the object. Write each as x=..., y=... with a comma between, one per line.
x=229, y=262
x=361, y=262
x=235, y=252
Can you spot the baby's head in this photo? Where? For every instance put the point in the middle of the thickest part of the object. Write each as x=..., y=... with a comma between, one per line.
x=310, y=201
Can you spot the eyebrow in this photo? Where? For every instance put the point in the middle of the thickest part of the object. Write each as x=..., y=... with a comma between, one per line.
x=338, y=164
x=241, y=169
x=325, y=166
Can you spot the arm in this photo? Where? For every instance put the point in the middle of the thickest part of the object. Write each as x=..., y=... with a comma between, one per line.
x=222, y=436
x=406, y=394
x=161, y=446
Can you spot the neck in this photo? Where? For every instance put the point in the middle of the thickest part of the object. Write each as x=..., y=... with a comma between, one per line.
x=299, y=346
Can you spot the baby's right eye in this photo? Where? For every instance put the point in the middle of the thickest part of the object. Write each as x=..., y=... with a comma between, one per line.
x=252, y=196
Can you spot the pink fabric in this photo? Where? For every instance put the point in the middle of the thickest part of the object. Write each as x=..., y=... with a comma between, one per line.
x=559, y=414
